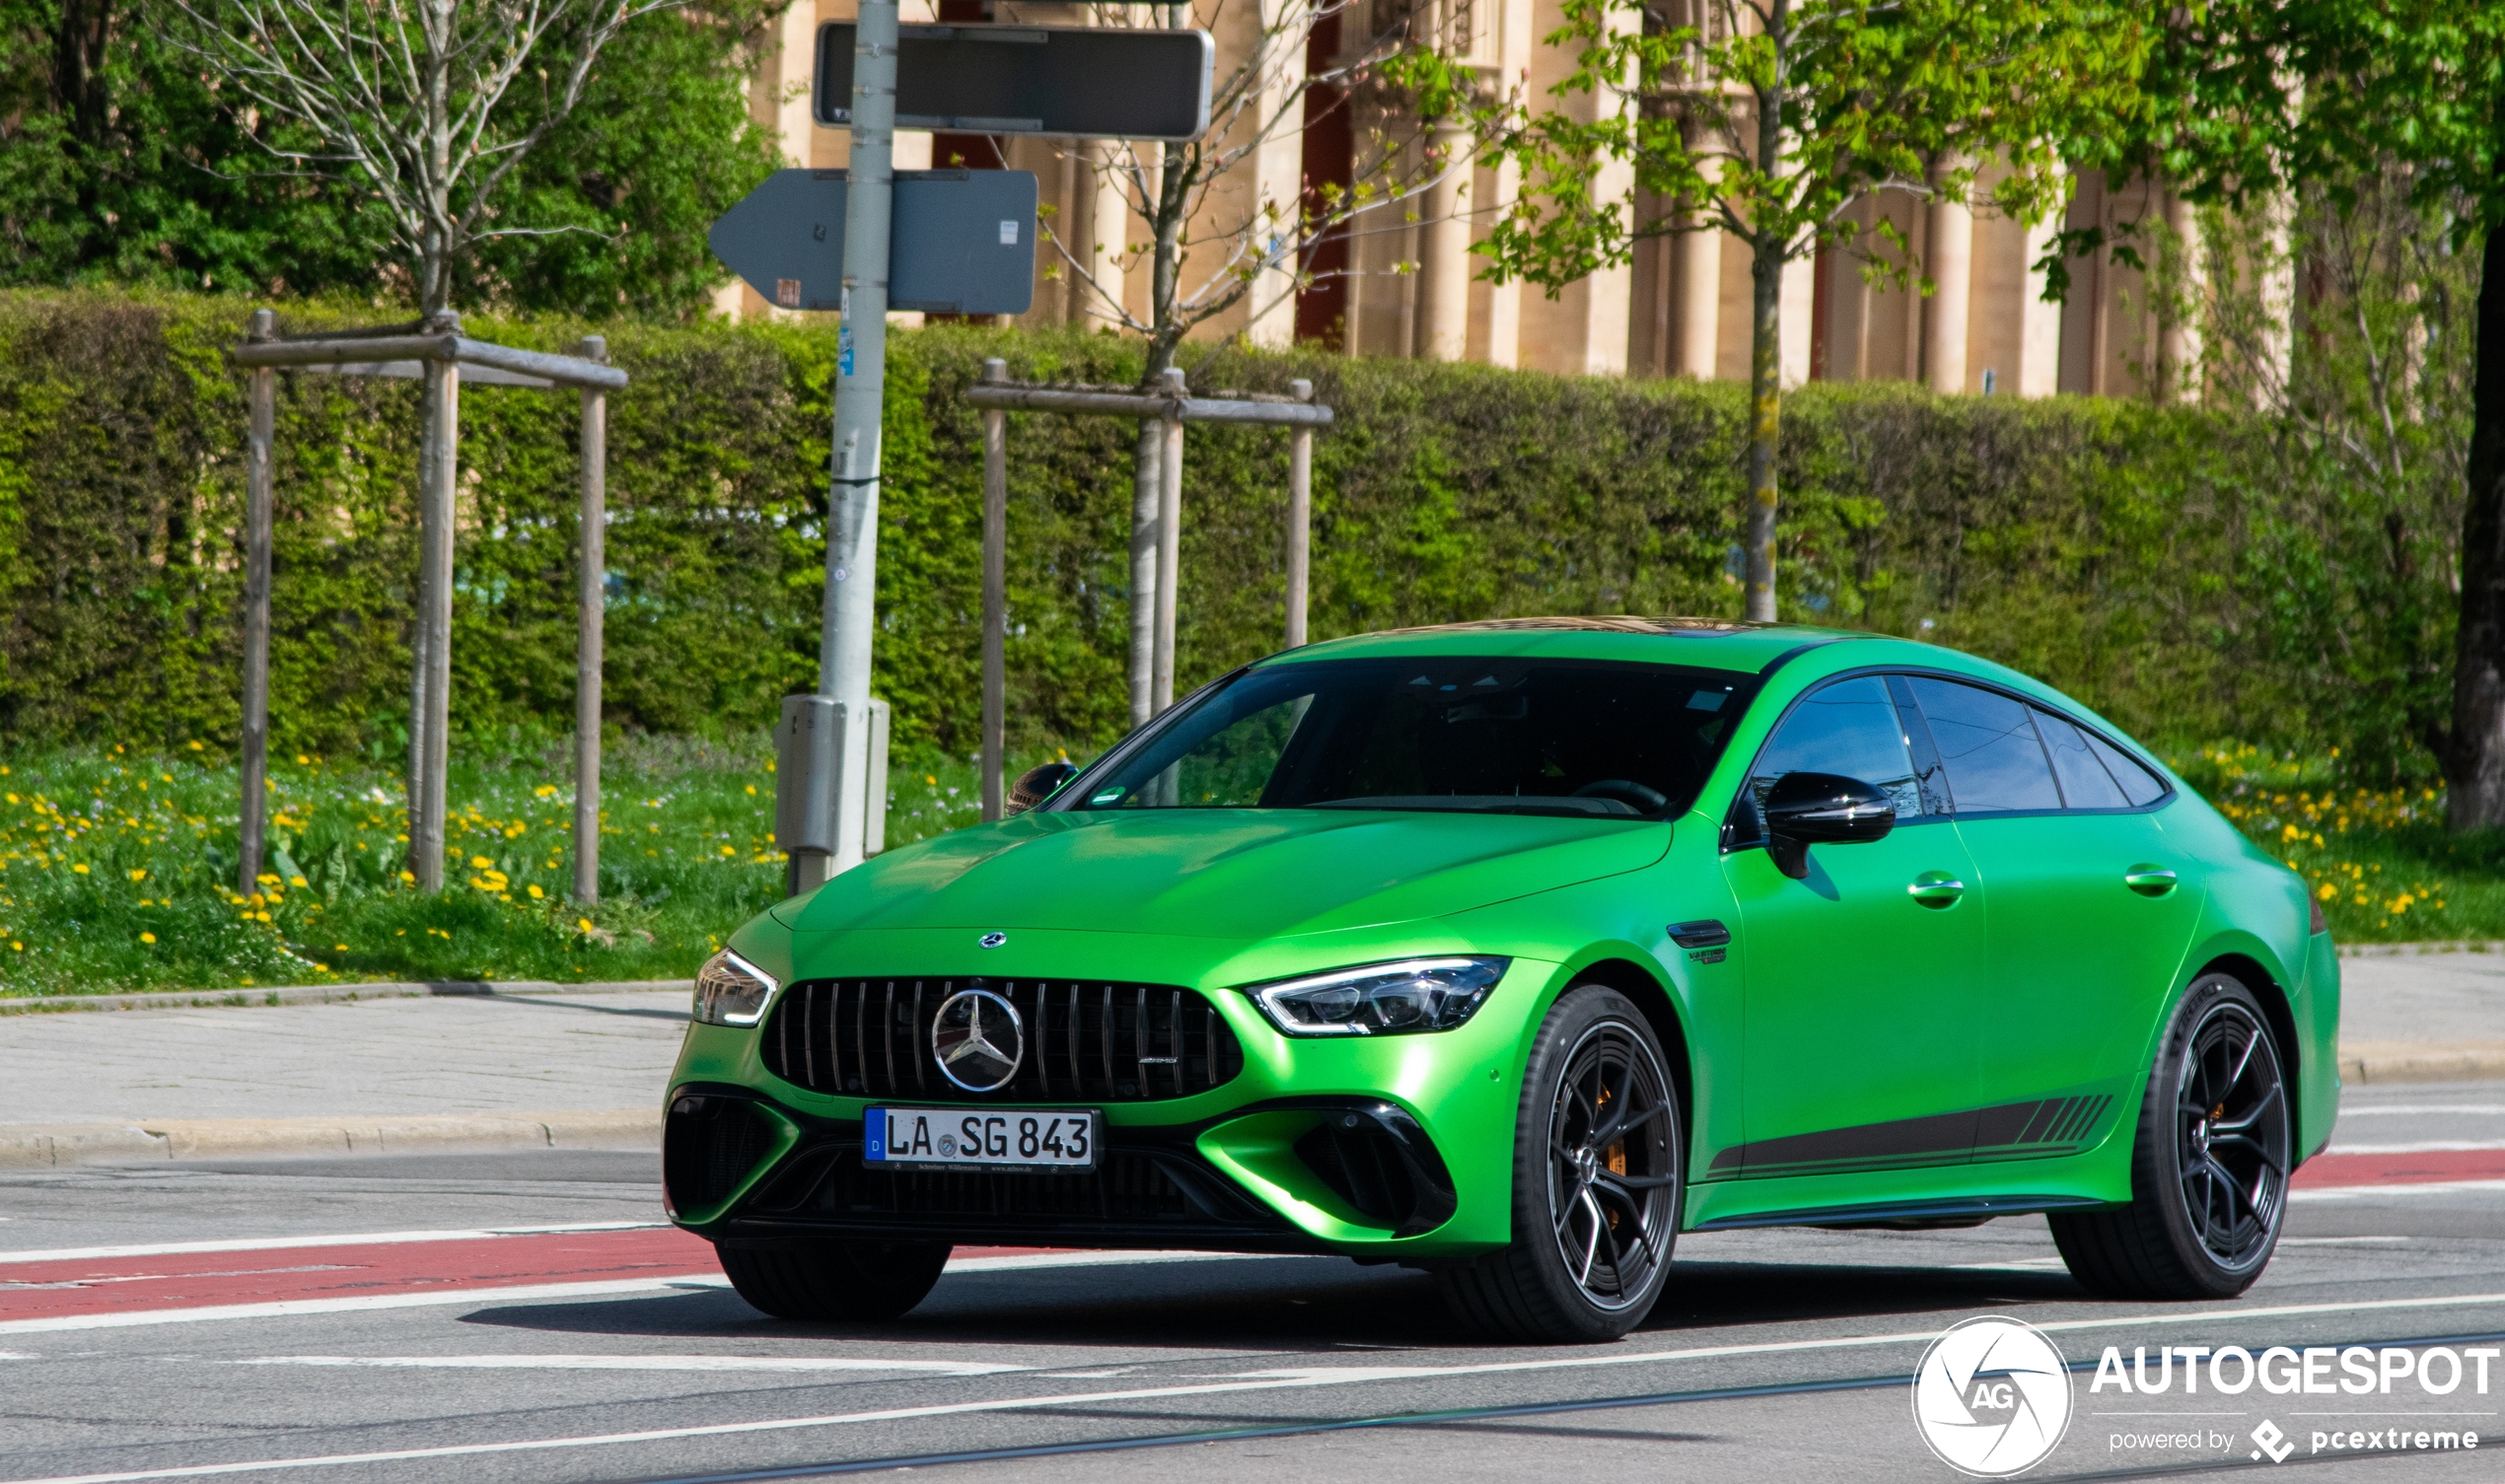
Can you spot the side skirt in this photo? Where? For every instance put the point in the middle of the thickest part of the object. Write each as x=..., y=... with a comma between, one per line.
x=1903, y=1214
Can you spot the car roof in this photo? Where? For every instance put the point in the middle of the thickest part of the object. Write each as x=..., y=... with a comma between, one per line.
x=1707, y=643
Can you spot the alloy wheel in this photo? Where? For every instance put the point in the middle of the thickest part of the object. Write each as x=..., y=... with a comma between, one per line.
x=1613, y=1165
x=2232, y=1136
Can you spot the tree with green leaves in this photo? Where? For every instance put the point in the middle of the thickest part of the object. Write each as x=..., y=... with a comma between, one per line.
x=2256, y=99
x=1770, y=120
x=124, y=161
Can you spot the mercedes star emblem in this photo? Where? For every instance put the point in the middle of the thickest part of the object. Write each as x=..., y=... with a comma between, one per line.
x=992, y=940
x=977, y=1040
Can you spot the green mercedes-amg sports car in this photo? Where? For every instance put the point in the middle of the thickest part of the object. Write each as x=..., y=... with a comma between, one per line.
x=1509, y=951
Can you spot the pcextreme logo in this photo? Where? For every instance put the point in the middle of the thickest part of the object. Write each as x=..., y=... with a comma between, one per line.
x=1991, y=1396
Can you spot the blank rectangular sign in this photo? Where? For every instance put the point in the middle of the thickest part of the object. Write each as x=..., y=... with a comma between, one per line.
x=1074, y=81
x=962, y=241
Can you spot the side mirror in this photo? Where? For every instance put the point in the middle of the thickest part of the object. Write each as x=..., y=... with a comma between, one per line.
x=1821, y=809
x=1035, y=785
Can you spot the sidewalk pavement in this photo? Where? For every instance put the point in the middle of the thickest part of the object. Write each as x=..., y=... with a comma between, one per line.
x=351, y=1077
x=588, y=1070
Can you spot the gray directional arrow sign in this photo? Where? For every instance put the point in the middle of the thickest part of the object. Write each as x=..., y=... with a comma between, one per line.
x=963, y=241
x=1075, y=81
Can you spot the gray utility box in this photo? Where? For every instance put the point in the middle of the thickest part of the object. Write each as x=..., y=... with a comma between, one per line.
x=962, y=241
x=808, y=749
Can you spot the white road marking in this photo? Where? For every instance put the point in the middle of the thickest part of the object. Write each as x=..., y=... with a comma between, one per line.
x=2016, y=1265
x=2334, y=1242
x=274, y=1243
x=422, y=1299
x=2420, y=1187
x=2390, y=1110
x=1258, y=1381
x=2430, y=1147
x=600, y=1288
x=634, y=1363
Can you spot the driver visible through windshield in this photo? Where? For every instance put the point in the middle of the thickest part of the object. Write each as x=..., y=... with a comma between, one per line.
x=1592, y=738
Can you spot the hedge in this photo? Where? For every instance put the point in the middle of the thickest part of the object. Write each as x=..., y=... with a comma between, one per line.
x=2099, y=545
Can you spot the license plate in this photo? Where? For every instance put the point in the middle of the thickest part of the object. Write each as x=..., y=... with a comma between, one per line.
x=991, y=1138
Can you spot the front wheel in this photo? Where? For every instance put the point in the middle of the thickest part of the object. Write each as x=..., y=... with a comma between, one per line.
x=1597, y=1182
x=836, y=1279
x=2209, y=1170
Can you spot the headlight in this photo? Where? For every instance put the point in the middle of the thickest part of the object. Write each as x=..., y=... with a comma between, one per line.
x=731, y=991
x=1381, y=999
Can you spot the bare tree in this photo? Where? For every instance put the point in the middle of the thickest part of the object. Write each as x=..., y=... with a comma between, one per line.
x=430, y=103
x=1253, y=241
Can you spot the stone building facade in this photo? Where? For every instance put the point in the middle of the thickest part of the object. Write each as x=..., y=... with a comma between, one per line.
x=1401, y=281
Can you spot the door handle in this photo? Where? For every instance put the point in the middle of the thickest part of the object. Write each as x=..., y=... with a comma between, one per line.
x=1936, y=889
x=2149, y=880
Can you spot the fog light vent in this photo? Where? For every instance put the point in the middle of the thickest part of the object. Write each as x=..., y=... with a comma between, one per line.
x=708, y=1147
x=1361, y=1162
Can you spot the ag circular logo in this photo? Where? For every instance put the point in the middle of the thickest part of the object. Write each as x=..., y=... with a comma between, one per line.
x=977, y=1040
x=1991, y=1396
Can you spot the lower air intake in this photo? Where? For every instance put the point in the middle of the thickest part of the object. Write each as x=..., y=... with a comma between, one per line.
x=708, y=1147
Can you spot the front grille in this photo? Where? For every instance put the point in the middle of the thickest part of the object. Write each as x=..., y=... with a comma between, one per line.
x=708, y=1147
x=1085, y=1041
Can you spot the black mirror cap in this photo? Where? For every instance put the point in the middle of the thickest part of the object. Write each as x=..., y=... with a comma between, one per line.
x=1821, y=809
x=1035, y=785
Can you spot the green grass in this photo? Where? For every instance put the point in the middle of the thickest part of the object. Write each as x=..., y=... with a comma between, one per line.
x=117, y=869
x=2380, y=861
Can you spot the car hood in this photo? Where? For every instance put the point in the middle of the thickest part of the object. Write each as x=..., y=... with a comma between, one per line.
x=1232, y=874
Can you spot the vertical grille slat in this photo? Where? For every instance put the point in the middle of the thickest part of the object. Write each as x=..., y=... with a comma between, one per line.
x=1109, y=1039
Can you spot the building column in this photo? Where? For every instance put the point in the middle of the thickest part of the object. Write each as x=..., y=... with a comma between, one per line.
x=1442, y=326
x=1695, y=329
x=2040, y=321
x=1504, y=300
x=2178, y=337
x=1949, y=262
x=1103, y=230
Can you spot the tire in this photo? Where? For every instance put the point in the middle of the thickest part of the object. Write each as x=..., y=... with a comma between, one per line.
x=2209, y=1165
x=1592, y=1273
x=836, y=1279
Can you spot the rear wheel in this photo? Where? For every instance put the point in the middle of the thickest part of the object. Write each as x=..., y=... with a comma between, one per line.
x=2209, y=1171
x=1596, y=1183
x=836, y=1279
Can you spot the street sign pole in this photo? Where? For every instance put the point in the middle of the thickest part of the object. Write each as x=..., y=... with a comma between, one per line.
x=861, y=355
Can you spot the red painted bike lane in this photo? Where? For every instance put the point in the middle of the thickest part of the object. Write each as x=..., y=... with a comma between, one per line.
x=283, y=1271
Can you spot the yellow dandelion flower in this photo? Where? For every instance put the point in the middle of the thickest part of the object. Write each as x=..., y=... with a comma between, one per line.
x=752, y=788
x=80, y=868
x=537, y=893
x=584, y=924
x=146, y=937
x=296, y=881
x=479, y=863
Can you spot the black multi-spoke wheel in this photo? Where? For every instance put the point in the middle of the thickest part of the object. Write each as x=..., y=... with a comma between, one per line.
x=2209, y=1173
x=1596, y=1182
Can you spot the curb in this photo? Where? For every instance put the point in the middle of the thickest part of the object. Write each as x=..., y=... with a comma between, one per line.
x=2473, y=945
x=327, y=994
x=2369, y=1062
x=45, y=1146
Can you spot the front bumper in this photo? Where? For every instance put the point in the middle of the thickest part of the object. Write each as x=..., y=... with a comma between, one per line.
x=1393, y=1147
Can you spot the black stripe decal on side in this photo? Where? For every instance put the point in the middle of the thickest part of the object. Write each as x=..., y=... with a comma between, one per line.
x=2041, y=1126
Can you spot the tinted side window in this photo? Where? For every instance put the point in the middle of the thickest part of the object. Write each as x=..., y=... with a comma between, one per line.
x=1851, y=728
x=2138, y=784
x=2086, y=783
x=1988, y=746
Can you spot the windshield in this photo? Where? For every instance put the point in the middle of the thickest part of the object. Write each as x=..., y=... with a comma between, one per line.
x=1603, y=739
